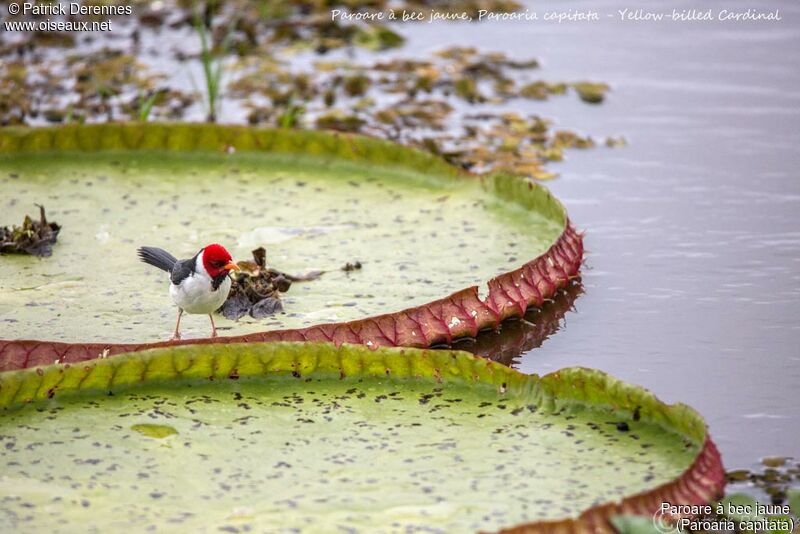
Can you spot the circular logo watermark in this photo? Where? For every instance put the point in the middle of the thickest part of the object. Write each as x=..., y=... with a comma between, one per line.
x=663, y=523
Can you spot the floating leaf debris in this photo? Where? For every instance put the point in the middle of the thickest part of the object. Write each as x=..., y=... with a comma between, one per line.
x=256, y=288
x=34, y=237
x=428, y=103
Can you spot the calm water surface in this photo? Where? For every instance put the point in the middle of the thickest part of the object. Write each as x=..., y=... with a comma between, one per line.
x=692, y=286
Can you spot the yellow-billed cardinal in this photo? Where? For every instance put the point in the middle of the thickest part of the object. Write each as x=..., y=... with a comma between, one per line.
x=197, y=285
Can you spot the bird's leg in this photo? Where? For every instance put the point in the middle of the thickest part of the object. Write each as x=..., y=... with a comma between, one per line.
x=213, y=326
x=177, y=333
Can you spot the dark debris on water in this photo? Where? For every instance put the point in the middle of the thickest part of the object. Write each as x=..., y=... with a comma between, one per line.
x=424, y=102
x=33, y=237
x=776, y=478
x=351, y=266
x=256, y=288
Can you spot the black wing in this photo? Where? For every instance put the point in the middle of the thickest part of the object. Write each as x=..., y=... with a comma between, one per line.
x=183, y=269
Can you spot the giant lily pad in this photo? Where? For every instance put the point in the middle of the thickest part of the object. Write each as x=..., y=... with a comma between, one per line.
x=422, y=230
x=247, y=436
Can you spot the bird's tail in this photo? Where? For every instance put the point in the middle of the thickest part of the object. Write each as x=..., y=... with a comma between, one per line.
x=157, y=258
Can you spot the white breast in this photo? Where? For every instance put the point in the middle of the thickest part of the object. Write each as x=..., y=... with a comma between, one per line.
x=195, y=294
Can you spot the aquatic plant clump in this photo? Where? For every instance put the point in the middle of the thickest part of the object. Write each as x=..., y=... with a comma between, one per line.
x=238, y=436
x=250, y=73
x=417, y=102
x=527, y=222
x=34, y=237
x=256, y=288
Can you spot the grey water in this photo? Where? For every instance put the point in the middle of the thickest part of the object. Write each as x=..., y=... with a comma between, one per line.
x=692, y=280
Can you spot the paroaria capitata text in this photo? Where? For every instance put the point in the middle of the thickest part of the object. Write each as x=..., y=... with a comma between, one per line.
x=197, y=285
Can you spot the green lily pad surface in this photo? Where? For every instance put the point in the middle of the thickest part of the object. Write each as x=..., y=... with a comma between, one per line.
x=309, y=436
x=419, y=234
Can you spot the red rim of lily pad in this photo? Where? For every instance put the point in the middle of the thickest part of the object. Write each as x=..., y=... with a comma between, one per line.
x=703, y=482
x=460, y=315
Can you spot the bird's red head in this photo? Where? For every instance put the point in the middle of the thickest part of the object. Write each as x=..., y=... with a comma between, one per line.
x=217, y=260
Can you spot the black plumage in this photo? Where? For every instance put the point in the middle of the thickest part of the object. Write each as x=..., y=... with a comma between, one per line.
x=157, y=258
x=178, y=270
x=183, y=269
x=217, y=280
